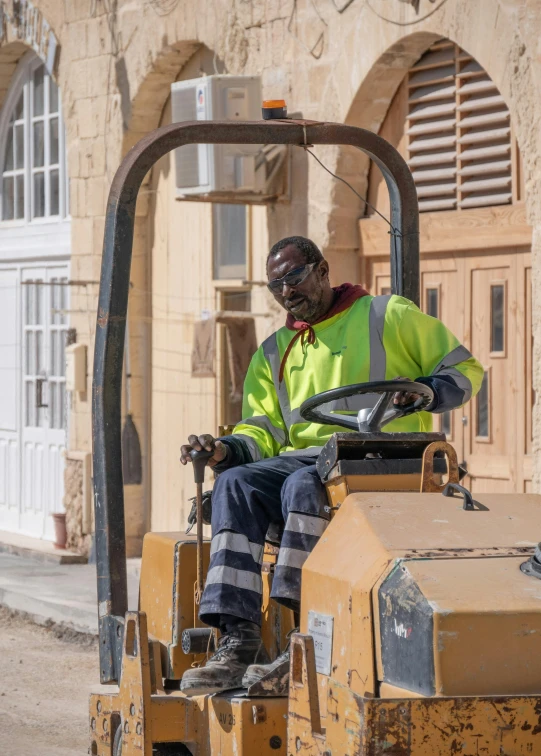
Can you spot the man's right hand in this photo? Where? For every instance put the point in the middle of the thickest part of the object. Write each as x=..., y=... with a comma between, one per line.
x=206, y=442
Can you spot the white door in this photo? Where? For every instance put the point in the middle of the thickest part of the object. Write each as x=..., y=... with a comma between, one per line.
x=34, y=255
x=9, y=398
x=44, y=327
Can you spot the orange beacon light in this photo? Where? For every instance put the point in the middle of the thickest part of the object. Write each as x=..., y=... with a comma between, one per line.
x=274, y=109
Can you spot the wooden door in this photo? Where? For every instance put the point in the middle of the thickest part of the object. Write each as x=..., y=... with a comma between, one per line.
x=493, y=412
x=485, y=300
x=440, y=280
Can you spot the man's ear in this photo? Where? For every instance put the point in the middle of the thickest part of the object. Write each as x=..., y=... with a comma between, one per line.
x=324, y=269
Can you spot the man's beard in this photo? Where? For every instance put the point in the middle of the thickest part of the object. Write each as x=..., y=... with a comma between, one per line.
x=311, y=309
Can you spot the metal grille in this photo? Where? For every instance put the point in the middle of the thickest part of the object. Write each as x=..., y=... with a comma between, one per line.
x=459, y=132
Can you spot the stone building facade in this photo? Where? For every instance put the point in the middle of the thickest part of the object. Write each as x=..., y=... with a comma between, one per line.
x=114, y=62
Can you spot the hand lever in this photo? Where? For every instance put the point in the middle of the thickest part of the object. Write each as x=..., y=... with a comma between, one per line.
x=199, y=460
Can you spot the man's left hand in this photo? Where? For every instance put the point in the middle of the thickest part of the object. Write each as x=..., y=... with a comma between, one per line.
x=401, y=398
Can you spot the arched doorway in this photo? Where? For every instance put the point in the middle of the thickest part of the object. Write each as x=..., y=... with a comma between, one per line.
x=34, y=281
x=454, y=128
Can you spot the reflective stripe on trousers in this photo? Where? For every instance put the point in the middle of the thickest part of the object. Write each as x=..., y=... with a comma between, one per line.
x=301, y=534
x=245, y=501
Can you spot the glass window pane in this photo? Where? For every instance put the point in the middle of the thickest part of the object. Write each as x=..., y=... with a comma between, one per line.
x=19, y=196
x=497, y=301
x=42, y=411
x=8, y=198
x=39, y=151
x=54, y=197
x=29, y=299
x=62, y=406
x=30, y=406
x=64, y=296
x=39, y=302
x=55, y=301
x=19, y=146
x=229, y=233
x=40, y=367
x=49, y=397
x=54, y=353
x=39, y=195
x=53, y=96
x=38, y=91
x=29, y=353
x=61, y=367
x=9, y=161
x=432, y=302
x=19, y=108
x=482, y=409
x=53, y=140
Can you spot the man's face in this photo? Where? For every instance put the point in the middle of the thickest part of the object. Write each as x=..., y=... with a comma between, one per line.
x=304, y=301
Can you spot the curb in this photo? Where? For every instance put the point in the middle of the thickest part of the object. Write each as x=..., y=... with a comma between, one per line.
x=62, y=557
x=49, y=615
x=60, y=630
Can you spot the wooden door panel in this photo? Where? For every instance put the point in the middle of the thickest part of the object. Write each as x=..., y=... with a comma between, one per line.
x=490, y=430
x=439, y=284
x=501, y=459
x=489, y=485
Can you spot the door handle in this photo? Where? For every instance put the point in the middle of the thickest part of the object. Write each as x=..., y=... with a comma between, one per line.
x=39, y=392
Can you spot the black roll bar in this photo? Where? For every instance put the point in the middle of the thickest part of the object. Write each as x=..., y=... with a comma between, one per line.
x=113, y=303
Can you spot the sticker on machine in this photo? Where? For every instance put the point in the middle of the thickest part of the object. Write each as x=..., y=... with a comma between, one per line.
x=320, y=627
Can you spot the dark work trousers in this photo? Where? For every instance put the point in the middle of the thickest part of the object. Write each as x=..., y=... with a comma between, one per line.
x=245, y=501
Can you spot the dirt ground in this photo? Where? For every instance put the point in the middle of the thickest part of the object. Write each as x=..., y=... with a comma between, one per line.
x=45, y=679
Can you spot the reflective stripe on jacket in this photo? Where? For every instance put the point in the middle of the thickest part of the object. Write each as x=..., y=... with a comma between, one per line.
x=377, y=338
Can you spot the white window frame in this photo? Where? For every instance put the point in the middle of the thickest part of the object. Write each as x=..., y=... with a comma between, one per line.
x=23, y=82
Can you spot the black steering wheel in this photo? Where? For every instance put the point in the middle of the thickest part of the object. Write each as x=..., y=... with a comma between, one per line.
x=372, y=417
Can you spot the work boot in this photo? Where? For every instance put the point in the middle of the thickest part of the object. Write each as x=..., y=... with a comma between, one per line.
x=270, y=679
x=237, y=649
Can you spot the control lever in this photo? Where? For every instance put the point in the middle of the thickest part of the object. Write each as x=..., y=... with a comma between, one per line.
x=199, y=460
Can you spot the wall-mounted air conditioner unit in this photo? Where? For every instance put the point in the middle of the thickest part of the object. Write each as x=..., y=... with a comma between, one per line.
x=224, y=172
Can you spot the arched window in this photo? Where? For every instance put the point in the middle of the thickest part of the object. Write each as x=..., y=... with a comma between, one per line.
x=32, y=160
x=459, y=132
x=453, y=127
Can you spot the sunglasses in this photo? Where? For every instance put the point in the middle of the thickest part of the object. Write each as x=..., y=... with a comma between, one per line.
x=293, y=278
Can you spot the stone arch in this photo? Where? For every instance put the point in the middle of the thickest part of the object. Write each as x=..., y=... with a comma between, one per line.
x=368, y=110
x=10, y=55
x=509, y=62
x=142, y=113
x=502, y=53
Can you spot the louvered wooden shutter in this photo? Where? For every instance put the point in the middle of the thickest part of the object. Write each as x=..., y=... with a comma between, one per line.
x=459, y=132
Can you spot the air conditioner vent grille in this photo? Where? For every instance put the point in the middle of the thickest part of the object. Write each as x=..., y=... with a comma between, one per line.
x=184, y=108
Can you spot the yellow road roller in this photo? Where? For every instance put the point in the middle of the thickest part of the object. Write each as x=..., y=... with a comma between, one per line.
x=420, y=622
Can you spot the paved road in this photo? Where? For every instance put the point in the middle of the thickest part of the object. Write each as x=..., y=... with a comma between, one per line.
x=44, y=685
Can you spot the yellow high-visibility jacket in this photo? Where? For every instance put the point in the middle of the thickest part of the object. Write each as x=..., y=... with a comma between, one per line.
x=377, y=338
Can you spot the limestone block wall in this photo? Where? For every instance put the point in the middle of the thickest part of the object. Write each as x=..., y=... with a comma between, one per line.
x=78, y=540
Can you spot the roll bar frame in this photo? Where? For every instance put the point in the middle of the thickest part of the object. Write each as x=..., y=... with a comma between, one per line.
x=110, y=539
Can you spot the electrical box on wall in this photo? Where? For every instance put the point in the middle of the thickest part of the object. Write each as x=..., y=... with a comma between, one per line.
x=76, y=367
x=224, y=172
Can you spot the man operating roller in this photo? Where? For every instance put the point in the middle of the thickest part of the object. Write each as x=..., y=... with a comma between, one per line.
x=332, y=337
